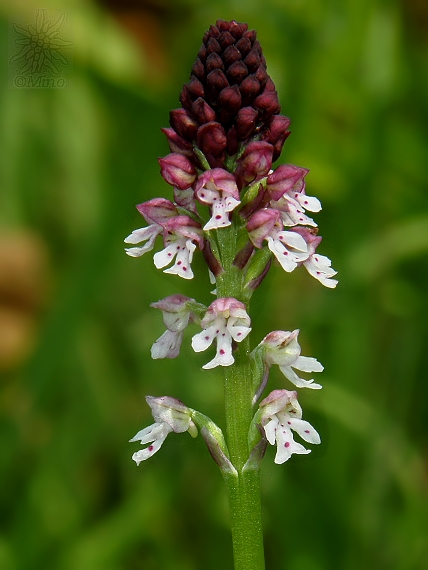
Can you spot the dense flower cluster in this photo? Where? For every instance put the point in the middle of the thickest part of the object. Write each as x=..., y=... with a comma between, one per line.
x=223, y=142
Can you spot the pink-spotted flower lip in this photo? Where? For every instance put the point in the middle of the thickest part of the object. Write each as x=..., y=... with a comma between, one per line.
x=280, y=415
x=283, y=349
x=225, y=320
x=169, y=415
x=177, y=170
x=217, y=188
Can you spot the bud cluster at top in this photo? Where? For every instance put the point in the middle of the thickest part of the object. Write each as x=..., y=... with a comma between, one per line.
x=229, y=99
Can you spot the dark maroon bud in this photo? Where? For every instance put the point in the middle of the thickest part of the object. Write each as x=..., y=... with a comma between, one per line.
x=237, y=72
x=226, y=39
x=252, y=60
x=246, y=122
x=211, y=139
x=256, y=282
x=178, y=144
x=183, y=124
x=198, y=69
x=202, y=111
x=262, y=76
x=267, y=103
x=243, y=256
x=251, y=35
x=270, y=85
x=232, y=141
x=195, y=87
x=230, y=98
x=186, y=99
x=276, y=129
x=216, y=81
x=213, y=263
x=213, y=46
x=202, y=53
x=237, y=29
x=223, y=25
x=214, y=61
x=231, y=54
x=250, y=88
x=277, y=147
x=213, y=32
x=244, y=46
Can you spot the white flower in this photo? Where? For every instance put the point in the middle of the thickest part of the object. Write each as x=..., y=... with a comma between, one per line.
x=225, y=320
x=282, y=348
x=288, y=247
x=169, y=415
x=217, y=188
x=280, y=414
x=177, y=312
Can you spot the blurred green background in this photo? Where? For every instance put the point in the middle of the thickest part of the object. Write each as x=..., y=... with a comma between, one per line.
x=76, y=326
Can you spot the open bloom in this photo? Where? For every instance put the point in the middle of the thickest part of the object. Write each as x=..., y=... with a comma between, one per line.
x=225, y=320
x=177, y=312
x=169, y=415
x=282, y=348
x=217, y=188
x=180, y=235
x=156, y=212
x=281, y=414
x=288, y=246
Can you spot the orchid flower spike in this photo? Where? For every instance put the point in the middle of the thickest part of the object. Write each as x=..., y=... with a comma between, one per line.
x=225, y=320
x=280, y=414
x=169, y=415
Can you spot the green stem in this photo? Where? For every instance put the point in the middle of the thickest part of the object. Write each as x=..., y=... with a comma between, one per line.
x=244, y=491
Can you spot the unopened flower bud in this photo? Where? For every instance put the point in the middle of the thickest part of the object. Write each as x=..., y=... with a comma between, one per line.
x=177, y=143
x=211, y=139
x=255, y=162
x=177, y=170
x=283, y=179
x=183, y=124
x=158, y=210
x=261, y=224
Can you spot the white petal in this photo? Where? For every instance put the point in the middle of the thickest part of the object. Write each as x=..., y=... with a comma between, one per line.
x=293, y=240
x=143, y=234
x=183, y=261
x=167, y=346
x=204, y=339
x=239, y=333
x=282, y=254
x=308, y=202
x=296, y=380
x=164, y=257
x=146, y=453
x=307, y=364
x=158, y=430
x=270, y=430
x=305, y=430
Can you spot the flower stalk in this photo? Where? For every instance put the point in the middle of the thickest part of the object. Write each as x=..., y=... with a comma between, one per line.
x=242, y=214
